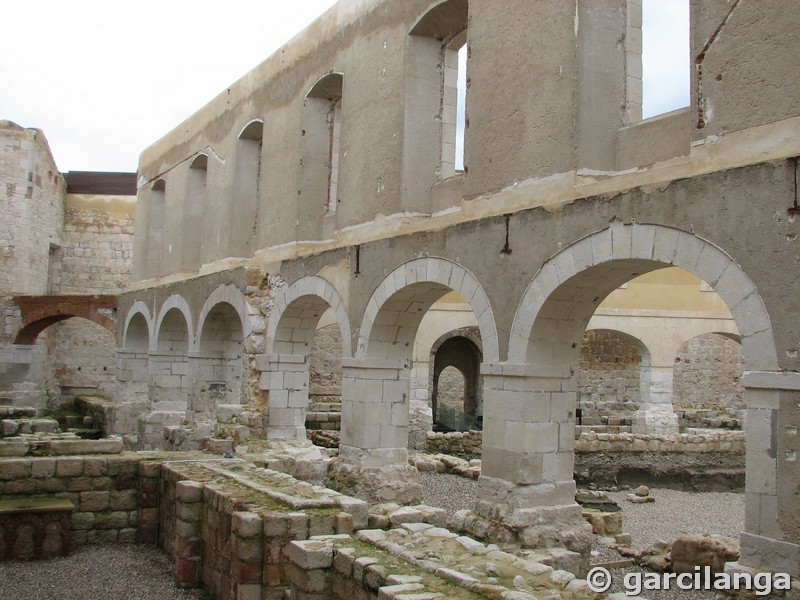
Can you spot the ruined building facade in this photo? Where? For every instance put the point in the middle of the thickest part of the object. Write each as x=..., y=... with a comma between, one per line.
x=321, y=186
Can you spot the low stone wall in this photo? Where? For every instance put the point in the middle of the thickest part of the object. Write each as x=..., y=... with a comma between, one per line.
x=728, y=441
x=733, y=441
x=455, y=442
x=227, y=524
x=108, y=492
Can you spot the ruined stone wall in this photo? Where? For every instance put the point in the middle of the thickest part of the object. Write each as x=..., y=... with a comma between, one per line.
x=608, y=376
x=32, y=205
x=107, y=492
x=81, y=357
x=707, y=375
x=98, y=244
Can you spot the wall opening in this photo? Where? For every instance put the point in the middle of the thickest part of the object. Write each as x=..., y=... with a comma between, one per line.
x=436, y=93
x=242, y=214
x=156, y=216
x=194, y=209
x=322, y=130
x=658, y=52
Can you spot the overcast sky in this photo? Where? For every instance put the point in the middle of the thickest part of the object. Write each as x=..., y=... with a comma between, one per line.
x=104, y=79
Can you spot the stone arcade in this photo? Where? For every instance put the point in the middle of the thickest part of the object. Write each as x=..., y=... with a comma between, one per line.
x=320, y=184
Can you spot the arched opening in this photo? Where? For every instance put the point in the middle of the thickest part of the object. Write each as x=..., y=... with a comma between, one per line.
x=194, y=209
x=456, y=391
x=322, y=131
x=169, y=373
x=242, y=214
x=658, y=56
x=156, y=217
x=376, y=384
x=173, y=333
x=217, y=366
x=436, y=90
x=708, y=389
x=545, y=343
x=307, y=339
x=137, y=335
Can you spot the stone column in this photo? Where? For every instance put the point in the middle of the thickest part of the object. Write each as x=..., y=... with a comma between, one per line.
x=771, y=540
x=527, y=490
x=373, y=454
x=285, y=377
x=420, y=414
x=655, y=415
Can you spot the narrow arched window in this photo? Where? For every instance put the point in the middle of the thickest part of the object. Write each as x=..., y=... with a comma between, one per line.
x=321, y=156
x=242, y=214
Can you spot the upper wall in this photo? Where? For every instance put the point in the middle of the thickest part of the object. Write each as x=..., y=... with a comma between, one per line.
x=32, y=209
x=352, y=106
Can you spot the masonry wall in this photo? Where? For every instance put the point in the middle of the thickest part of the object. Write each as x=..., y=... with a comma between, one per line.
x=608, y=376
x=708, y=374
x=32, y=205
x=325, y=367
x=81, y=357
x=109, y=493
x=97, y=243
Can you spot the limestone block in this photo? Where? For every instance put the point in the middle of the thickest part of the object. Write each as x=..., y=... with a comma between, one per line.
x=310, y=554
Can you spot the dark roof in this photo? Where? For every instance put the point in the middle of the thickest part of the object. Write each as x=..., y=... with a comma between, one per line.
x=96, y=182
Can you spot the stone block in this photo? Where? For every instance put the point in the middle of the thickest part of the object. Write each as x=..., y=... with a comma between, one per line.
x=122, y=500
x=189, y=492
x=94, y=501
x=43, y=467
x=246, y=524
x=15, y=468
x=310, y=554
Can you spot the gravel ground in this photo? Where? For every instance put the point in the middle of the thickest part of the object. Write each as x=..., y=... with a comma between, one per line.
x=119, y=572
x=673, y=514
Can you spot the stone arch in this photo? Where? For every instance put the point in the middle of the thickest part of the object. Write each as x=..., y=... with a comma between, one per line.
x=421, y=281
x=228, y=294
x=177, y=303
x=576, y=280
x=290, y=330
x=138, y=323
x=38, y=313
x=458, y=349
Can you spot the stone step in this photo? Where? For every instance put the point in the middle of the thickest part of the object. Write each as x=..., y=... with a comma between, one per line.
x=17, y=412
x=13, y=427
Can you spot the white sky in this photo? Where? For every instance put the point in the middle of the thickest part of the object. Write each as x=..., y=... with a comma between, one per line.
x=104, y=79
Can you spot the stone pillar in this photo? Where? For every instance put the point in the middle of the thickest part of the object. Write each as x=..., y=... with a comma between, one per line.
x=420, y=413
x=655, y=415
x=527, y=490
x=373, y=454
x=771, y=540
x=285, y=377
